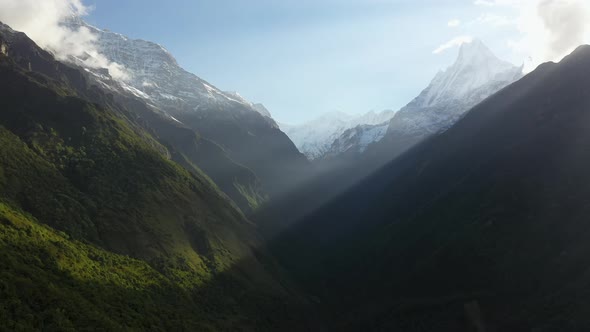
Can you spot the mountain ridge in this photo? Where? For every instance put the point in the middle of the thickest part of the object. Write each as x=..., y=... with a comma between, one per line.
x=475, y=74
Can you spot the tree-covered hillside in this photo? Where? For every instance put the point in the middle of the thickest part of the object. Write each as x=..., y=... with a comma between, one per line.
x=100, y=227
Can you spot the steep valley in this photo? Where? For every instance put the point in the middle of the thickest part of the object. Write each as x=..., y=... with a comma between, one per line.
x=162, y=203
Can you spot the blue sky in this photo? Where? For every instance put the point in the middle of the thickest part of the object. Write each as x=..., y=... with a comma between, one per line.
x=302, y=58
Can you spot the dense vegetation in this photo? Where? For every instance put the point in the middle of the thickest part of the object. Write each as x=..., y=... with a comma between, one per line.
x=102, y=229
x=51, y=282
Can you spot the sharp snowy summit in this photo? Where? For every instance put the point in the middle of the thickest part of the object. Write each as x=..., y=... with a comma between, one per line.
x=475, y=67
x=476, y=74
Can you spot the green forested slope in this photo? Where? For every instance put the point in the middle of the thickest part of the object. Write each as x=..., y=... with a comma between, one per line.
x=100, y=229
x=50, y=281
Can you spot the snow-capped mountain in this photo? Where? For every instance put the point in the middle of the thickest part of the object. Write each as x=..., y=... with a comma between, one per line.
x=260, y=108
x=155, y=75
x=229, y=137
x=315, y=138
x=476, y=74
x=357, y=139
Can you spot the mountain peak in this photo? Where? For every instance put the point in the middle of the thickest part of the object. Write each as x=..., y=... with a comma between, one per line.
x=476, y=66
x=474, y=44
x=475, y=52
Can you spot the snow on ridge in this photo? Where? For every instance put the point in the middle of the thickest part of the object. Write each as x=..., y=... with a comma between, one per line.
x=475, y=75
x=134, y=91
x=371, y=135
x=315, y=138
x=156, y=76
x=475, y=67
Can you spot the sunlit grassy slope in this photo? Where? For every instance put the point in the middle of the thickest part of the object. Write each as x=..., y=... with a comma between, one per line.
x=50, y=281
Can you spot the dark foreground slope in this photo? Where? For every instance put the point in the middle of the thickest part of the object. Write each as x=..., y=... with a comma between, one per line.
x=99, y=228
x=483, y=225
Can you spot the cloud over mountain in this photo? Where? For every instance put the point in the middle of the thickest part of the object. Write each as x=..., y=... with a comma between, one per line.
x=547, y=29
x=42, y=22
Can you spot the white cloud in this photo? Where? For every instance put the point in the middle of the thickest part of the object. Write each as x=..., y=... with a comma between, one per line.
x=41, y=21
x=457, y=41
x=546, y=30
x=566, y=23
x=454, y=23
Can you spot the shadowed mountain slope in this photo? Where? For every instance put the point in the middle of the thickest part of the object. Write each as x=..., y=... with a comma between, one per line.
x=482, y=225
x=475, y=75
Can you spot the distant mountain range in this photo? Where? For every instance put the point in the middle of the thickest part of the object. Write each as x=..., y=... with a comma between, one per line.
x=356, y=140
x=315, y=138
x=476, y=74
